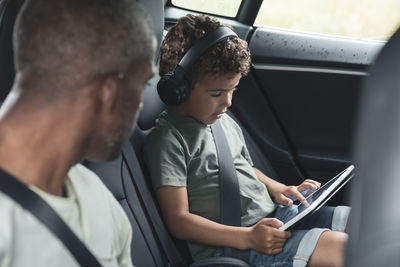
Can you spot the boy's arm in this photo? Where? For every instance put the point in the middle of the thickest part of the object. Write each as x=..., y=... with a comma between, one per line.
x=262, y=237
x=280, y=192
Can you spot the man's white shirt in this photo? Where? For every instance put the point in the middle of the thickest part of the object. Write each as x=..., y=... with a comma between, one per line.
x=89, y=209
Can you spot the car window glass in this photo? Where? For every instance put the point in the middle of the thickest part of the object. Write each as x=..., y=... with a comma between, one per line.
x=226, y=8
x=366, y=19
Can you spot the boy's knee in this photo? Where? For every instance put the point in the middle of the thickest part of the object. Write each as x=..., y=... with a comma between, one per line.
x=329, y=250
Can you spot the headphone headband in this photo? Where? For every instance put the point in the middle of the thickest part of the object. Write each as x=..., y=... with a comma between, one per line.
x=203, y=44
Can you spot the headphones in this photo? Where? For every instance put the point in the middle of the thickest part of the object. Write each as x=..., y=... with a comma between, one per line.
x=173, y=87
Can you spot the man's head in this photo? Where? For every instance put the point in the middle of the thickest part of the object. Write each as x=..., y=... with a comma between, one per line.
x=215, y=74
x=99, y=49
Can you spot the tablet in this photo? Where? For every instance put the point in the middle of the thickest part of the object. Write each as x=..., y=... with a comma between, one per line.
x=318, y=198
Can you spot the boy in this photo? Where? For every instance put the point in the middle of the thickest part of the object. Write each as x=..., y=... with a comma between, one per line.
x=181, y=157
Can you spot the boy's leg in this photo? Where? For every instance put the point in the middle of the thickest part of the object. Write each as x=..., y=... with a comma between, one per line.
x=315, y=247
x=329, y=250
x=311, y=246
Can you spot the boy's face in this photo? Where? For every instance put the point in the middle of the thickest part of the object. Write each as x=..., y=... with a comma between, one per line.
x=210, y=97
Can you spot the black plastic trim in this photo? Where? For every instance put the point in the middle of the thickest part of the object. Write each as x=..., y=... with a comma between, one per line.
x=248, y=11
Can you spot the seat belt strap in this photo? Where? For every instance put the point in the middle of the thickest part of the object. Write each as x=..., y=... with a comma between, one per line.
x=39, y=208
x=174, y=257
x=230, y=206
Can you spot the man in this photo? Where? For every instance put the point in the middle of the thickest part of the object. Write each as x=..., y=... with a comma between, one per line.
x=81, y=66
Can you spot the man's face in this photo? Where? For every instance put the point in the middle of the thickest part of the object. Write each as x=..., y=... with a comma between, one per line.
x=127, y=107
x=210, y=97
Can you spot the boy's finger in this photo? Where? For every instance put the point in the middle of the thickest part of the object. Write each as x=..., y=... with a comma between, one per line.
x=282, y=234
x=313, y=182
x=287, y=201
x=297, y=195
x=307, y=185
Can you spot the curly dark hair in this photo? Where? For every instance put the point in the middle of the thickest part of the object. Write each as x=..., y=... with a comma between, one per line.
x=228, y=57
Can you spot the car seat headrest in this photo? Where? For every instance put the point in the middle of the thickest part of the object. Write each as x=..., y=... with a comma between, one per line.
x=152, y=104
x=155, y=8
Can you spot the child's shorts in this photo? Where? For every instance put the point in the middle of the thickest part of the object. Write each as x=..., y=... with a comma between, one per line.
x=299, y=247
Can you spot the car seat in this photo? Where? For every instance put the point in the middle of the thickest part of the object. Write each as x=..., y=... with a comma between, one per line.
x=374, y=238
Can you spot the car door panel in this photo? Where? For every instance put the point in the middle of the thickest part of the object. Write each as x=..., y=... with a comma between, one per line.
x=309, y=86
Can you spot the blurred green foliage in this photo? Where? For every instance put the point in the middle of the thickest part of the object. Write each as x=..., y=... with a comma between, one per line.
x=365, y=19
x=226, y=8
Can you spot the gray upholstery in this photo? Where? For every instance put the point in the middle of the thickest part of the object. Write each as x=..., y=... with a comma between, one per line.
x=8, y=12
x=152, y=104
x=375, y=219
x=156, y=10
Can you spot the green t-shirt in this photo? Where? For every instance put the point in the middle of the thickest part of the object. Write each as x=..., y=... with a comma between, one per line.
x=180, y=151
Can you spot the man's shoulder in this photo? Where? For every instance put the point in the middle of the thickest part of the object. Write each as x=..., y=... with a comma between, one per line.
x=88, y=185
x=81, y=175
x=8, y=209
x=13, y=216
x=93, y=194
x=19, y=227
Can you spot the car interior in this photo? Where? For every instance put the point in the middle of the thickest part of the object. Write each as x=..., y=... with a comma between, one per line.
x=298, y=109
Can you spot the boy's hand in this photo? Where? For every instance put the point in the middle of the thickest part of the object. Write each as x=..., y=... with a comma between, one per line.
x=284, y=195
x=266, y=238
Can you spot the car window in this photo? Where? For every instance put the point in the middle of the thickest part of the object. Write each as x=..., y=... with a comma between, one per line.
x=366, y=19
x=227, y=8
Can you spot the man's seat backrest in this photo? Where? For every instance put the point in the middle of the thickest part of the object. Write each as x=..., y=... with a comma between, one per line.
x=8, y=12
x=117, y=177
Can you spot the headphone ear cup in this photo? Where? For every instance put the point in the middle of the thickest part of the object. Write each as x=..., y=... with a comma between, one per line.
x=184, y=90
x=173, y=88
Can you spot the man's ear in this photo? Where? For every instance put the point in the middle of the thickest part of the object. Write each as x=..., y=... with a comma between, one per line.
x=108, y=93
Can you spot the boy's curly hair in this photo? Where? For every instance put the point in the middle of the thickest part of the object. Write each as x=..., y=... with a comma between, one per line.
x=228, y=57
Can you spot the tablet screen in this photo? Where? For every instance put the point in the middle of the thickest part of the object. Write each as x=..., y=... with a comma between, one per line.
x=315, y=200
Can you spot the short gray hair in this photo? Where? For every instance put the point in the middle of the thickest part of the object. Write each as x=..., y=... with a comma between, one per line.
x=66, y=43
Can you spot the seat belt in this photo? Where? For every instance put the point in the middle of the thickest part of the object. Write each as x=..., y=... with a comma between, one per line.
x=174, y=257
x=39, y=208
x=230, y=206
